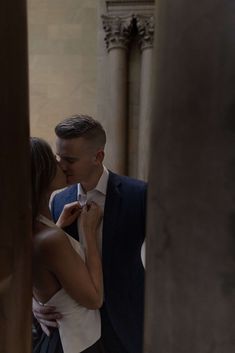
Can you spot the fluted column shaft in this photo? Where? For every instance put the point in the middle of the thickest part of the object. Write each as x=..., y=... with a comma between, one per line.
x=118, y=30
x=145, y=26
x=118, y=95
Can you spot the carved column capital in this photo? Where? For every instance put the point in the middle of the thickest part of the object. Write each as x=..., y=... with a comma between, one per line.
x=118, y=31
x=145, y=26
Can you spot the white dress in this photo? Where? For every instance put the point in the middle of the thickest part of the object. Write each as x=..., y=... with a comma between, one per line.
x=79, y=327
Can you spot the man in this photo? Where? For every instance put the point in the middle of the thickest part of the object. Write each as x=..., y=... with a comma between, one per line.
x=80, y=146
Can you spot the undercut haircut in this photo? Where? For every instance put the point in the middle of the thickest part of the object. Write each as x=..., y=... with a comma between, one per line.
x=82, y=126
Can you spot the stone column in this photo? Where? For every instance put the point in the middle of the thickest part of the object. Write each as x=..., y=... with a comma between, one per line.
x=15, y=229
x=190, y=282
x=118, y=32
x=145, y=27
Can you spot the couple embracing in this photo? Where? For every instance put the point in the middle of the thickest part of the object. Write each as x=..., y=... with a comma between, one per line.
x=88, y=275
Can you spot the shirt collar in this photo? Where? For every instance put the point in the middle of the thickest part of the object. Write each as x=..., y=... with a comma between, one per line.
x=101, y=185
x=103, y=182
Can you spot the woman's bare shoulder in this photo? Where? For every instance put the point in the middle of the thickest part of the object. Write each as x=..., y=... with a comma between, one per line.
x=49, y=240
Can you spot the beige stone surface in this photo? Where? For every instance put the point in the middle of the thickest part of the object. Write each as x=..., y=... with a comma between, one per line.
x=70, y=73
x=62, y=62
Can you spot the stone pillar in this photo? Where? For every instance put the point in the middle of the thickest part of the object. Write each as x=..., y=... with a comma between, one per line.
x=118, y=32
x=190, y=282
x=145, y=26
x=15, y=229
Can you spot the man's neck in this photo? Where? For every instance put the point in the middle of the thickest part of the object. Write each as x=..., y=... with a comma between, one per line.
x=88, y=186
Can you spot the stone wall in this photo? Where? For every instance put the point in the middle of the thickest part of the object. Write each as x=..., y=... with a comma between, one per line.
x=63, y=61
x=71, y=72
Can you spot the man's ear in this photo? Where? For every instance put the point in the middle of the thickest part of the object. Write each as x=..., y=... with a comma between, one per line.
x=99, y=157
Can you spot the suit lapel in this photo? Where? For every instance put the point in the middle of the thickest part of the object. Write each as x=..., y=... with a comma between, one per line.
x=71, y=196
x=111, y=211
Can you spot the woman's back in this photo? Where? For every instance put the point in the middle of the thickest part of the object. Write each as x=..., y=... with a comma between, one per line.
x=45, y=283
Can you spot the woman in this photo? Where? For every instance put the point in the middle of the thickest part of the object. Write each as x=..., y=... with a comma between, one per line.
x=64, y=275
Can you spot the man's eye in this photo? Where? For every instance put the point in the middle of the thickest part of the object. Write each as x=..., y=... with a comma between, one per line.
x=70, y=160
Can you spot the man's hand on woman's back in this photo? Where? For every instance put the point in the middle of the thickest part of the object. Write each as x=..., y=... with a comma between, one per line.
x=46, y=316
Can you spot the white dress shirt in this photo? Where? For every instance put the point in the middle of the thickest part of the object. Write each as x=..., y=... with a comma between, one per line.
x=98, y=195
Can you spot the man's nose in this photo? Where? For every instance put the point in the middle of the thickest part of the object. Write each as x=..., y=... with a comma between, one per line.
x=62, y=164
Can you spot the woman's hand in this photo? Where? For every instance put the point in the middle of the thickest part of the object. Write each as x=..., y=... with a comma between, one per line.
x=91, y=216
x=70, y=213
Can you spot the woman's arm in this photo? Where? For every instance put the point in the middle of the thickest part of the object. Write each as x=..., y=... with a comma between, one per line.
x=90, y=226
x=82, y=281
x=70, y=213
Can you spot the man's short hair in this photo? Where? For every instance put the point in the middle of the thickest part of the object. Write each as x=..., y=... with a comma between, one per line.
x=81, y=126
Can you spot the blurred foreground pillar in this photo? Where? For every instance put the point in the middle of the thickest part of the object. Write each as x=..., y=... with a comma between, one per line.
x=15, y=243
x=190, y=285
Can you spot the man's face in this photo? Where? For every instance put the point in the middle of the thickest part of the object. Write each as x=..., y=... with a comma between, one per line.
x=77, y=158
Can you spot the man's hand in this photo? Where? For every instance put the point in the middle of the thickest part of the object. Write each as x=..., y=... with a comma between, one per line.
x=46, y=316
x=70, y=212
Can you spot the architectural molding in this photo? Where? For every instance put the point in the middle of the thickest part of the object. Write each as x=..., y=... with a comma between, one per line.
x=145, y=27
x=118, y=30
x=121, y=7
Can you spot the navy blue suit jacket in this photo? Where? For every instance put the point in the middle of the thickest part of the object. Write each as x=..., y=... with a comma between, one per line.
x=123, y=235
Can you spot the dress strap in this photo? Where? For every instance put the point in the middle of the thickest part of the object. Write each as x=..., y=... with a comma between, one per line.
x=46, y=221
